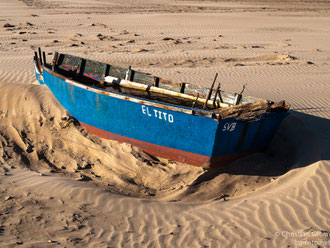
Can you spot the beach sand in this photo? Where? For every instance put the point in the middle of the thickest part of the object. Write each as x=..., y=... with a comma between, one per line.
x=63, y=187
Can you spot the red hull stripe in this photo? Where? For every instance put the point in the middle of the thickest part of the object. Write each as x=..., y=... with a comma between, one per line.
x=166, y=152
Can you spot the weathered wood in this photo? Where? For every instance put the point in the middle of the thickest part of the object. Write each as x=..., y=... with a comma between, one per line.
x=215, y=95
x=238, y=96
x=143, y=78
x=60, y=59
x=159, y=97
x=39, y=49
x=94, y=68
x=237, y=110
x=107, y=70
x=118, y=72
x=183, y=85
x=237, y=99
x=156, y=80
x=55, y=61
x=195, y=102
x=35, y=58
x=210, y=91
x=244, y=87
x=131, y=75
x=37, y=61
x=152, y=89
x=69, y=62
x=220, y=97
x=44, y=57
x=167, y=84
x=128, y=73
x=280, y=106
x=82, y=67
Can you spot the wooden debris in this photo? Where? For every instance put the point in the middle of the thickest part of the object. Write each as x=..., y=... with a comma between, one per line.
x=238, y=110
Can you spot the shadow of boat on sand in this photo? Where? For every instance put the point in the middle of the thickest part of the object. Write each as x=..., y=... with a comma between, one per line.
x=301, y=141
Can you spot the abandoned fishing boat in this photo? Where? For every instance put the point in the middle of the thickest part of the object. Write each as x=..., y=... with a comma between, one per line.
x=198, y=126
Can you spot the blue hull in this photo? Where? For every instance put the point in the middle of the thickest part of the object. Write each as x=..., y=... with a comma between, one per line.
x=160, y=130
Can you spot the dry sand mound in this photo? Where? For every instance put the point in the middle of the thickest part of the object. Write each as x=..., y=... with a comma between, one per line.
x=36, y=130
x=37, y=134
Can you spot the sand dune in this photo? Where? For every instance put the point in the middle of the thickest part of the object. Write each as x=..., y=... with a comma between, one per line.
x=63, y=187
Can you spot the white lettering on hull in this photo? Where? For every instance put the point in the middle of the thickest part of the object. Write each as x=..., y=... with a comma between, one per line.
x=229, y=127
x=157, y=114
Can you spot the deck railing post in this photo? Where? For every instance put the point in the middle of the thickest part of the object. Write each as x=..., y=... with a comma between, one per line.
x=37, y=61
x=35, y=55
x=44, y=57
x=54, y=63
x=39, y=49
x=82, y=67
x=183, y=85
x=237, y=98
x=107, y=70
x=128, y=72
x=131, y=76
x=156, y=81
x=215, y=95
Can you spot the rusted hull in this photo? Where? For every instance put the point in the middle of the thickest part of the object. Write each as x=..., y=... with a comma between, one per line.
x=170, y=153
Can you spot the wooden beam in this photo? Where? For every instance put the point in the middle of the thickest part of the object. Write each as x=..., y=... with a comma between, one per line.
x=144, y=87
x=37, y=61
x=128, y=72
x=156, y=80
x=131, y=75
x=82, y=67
x=210, y=91
x=55, y=59
x=44, y=57
x=183, y=85
x=237, y=99
x=215, y=95
x=107, y=70
x=39, y=49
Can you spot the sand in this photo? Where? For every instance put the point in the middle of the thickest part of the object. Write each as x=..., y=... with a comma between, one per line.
x=63, y=187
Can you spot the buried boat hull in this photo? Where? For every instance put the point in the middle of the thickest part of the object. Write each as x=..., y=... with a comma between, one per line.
x=161, y=129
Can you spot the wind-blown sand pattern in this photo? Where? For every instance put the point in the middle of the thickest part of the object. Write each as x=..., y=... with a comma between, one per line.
x=63, y=187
